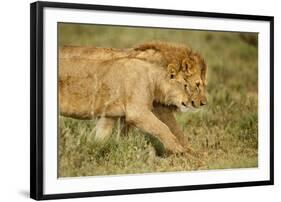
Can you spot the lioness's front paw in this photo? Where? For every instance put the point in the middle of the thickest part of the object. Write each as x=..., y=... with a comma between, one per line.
x=175, y=148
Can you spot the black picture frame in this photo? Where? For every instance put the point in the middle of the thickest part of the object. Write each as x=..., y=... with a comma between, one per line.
x=37, y=100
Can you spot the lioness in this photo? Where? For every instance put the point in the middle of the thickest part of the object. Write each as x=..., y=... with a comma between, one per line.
x=168, y=55
x=125, y=87
x=163, y=54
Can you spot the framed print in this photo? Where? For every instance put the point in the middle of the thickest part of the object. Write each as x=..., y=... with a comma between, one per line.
x=134, y=100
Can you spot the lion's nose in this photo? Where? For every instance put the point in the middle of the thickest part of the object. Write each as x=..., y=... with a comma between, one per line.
x=203, y=102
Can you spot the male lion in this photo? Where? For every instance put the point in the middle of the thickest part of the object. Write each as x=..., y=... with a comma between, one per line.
x=89, y=89
x=182, y=57
x=171, y=56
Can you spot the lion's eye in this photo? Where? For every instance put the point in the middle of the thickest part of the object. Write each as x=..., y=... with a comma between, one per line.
x=197, y=84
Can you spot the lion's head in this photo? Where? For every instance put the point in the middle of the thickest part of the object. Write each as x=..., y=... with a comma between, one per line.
x=192, y=74
x=176, y=88
x=194, y=70
x=190, y=65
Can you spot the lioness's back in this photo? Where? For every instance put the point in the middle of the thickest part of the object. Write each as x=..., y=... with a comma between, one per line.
x=87, y=86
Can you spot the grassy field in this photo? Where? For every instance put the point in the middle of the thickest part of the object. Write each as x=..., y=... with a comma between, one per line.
x=223, y=135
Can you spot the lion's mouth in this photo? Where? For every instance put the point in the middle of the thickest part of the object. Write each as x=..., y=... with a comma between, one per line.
x=190, y=107
x=180, y=107
x=171, y=106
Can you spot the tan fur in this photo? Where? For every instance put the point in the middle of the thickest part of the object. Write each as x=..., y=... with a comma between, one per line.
x=171, y=56
x=89, y=89
x=181, y=57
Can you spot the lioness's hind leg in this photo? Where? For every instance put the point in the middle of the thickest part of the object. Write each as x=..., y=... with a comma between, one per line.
x=125, y=128
x=104, y=128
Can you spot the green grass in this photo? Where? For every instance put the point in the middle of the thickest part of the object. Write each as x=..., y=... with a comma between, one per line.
x=223, y=135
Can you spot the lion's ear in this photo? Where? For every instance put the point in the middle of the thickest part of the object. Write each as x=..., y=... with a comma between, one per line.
x=173, y=70
x=184, y=65
x=187, y=66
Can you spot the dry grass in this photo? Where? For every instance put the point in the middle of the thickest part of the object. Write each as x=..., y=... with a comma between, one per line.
x=223, y=135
